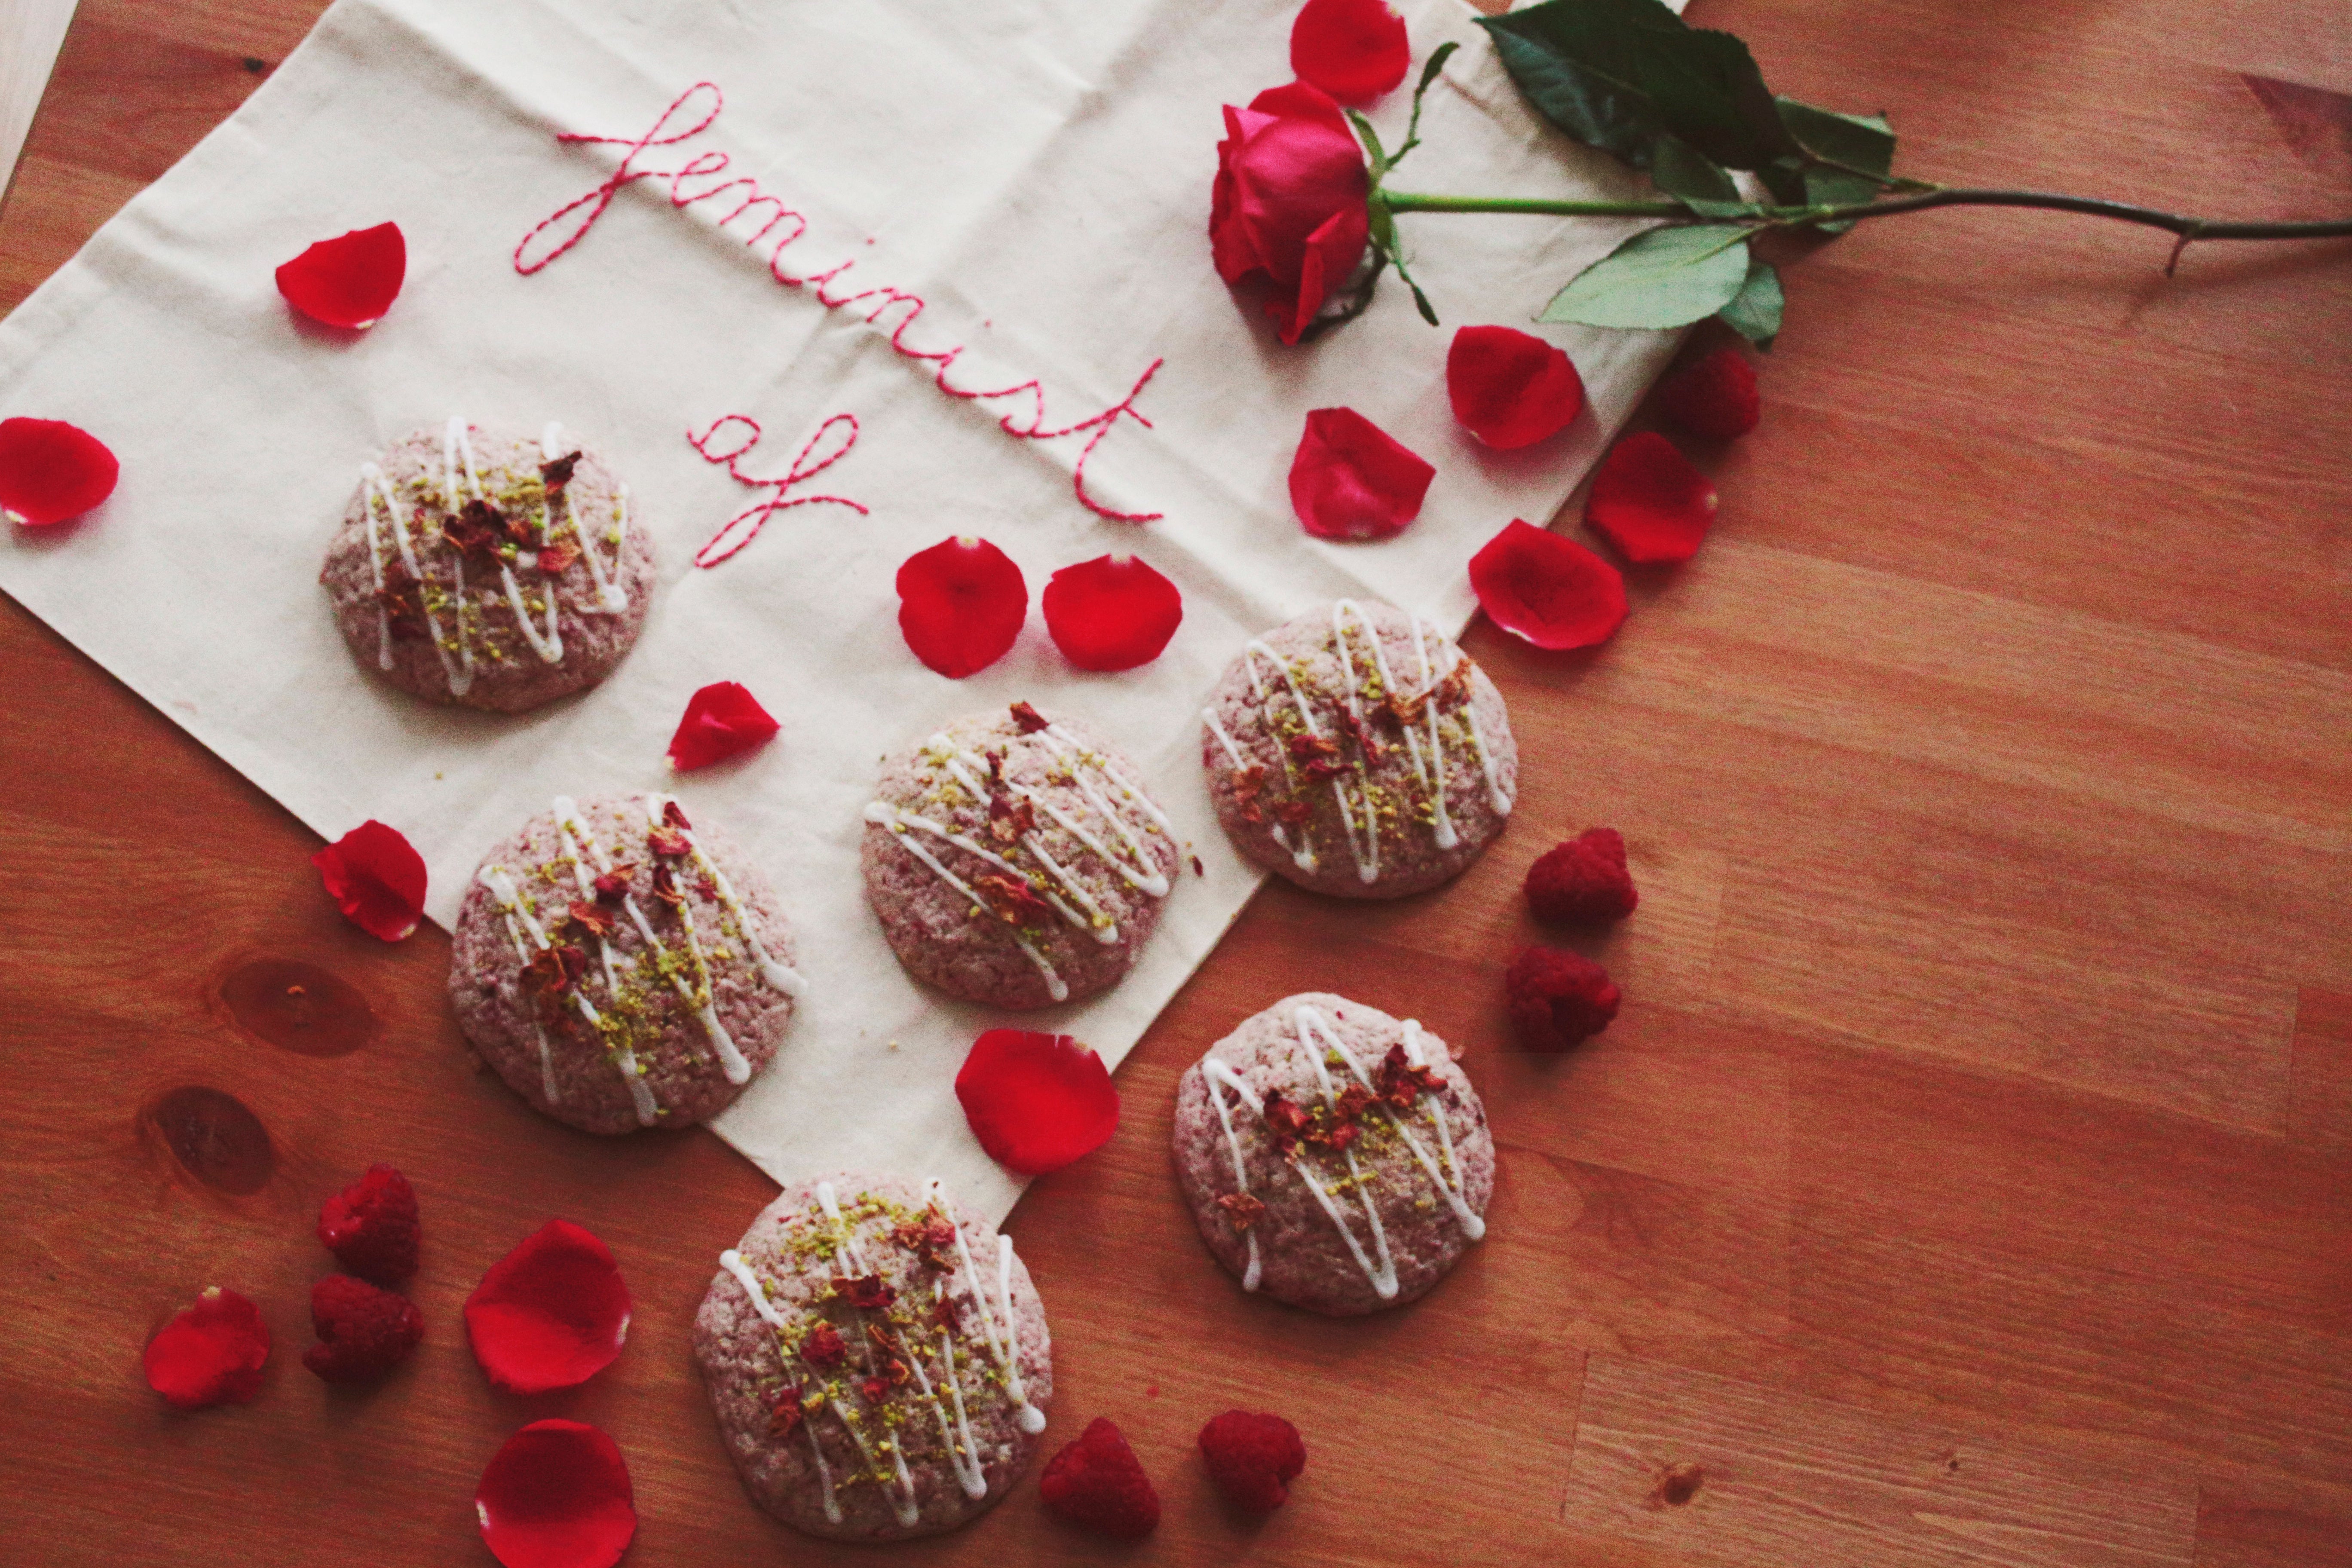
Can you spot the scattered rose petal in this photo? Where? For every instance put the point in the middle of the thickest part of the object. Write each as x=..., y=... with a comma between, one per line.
x=1036, y=1101
x=348, y=281
x=1508, y=388
x=960, y=605
x=1111, y=613
x=1096, y=1481
x=1253, y=1459
x=210, y=1352
x=1351, y=480
x=556, y=1496
x=723, y=720
x=370, y=1226
x=376, y=877
x=363, y=1331
x=1650, y=501
x=1353, y=50
x=550, y=1314
x=1288, y=209
x=1714, y=397
x=1549, y=591
x=51, y=471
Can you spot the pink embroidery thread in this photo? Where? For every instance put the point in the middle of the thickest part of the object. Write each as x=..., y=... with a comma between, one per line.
x=585, y=211
x=745, y=525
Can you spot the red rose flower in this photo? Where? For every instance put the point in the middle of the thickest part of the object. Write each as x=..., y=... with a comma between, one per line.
x=1288, y=206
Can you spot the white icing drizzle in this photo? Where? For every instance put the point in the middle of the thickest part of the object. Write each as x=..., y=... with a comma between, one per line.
x=610, y=594
x=510, y=898
x=1027, y=1416
x=1141, y=876
x=460, y=670
x=1382, y=1276
x=510, y=906
x=907, y=1508
x=1428, y=762
x=884, y=815
x=1220, y=1079
x=1094, y=923
x=774, y=971
x=1473, y=1225
x=732, y=1261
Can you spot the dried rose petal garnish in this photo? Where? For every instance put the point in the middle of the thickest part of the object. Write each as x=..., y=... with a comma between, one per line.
x=821, y=1347
x=1650, y=501
x=210, y=1352
x=960, y=605
x=376, y=877
x=1036, y=1101
x=1242, y=1211
x=348, y=281
x=1549, y=591
x=723, y=720
x=867, y=1292
x=1353, y=50
x=1111, y=613
x=556, y=1496
x=1351, y=480
x=550, y=1314
x=1508, y=388
x=51, y=471
x=1028, y=721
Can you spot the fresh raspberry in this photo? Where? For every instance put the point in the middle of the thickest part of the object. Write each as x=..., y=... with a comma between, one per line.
x=1583, y=880
x=210, y=1352
x=1097, y=1482
x=1715, y=396
x=363, y=1331
x=370, y=1226
x=1253, y=1459
x=1557, y=999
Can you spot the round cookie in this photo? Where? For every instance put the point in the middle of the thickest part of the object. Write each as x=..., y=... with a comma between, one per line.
x=863, y=1311
x=1333, y=1157
x=483, y=568
x=1358, y=753
x=1015, y=862
x=620, y=967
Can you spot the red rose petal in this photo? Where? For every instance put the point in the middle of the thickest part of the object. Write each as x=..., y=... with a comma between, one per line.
x=350, y=281
x=50, y=471
x=960, y=605
x=1353, y=50
x=723, y=720
x=1550, y=591
x=1111, y=613
x=1351, y=480
x=556, y=1496
x=376, y=877
x=1650, y=501
x=1508, y=388
x=210, y=1352
x=550, y=1314
x=1036, y=1101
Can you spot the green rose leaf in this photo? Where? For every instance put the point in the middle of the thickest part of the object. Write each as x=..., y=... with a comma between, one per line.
x=1619, y=74
x=1755, y=312
x=1843, y=151
x=1695, y=181
x=1660, y=278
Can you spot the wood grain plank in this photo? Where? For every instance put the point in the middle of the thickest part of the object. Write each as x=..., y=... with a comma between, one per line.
x=2320, y=1103
x=1722, y=1471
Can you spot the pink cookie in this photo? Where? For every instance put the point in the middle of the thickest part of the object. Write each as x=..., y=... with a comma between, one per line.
x=1017, y=865
x=621, y=968
x=1358, y=753
x=469, y=569
x=1333, y=1157
x=877, y=1360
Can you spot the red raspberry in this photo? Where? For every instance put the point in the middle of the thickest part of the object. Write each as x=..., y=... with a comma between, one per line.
x=363, y=1331
x=212, y=1352
x=1583, y=880
x=1097, y=1482
x=370, y=1226
x=1715, y=396
x=1252, y=1458
x=1557, y=999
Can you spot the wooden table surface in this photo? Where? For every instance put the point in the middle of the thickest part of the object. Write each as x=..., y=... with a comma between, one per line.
x=1968, y=1180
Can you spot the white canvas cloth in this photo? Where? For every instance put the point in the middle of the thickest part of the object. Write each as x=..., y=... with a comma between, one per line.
x=1037, y=170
